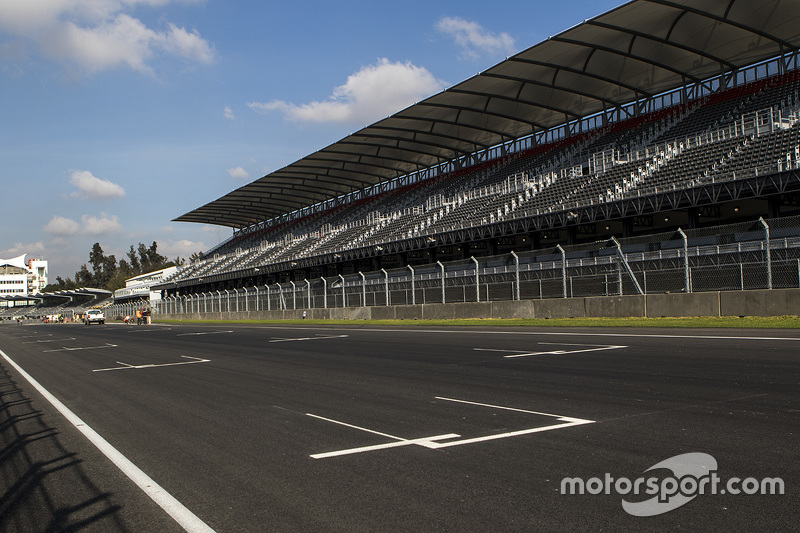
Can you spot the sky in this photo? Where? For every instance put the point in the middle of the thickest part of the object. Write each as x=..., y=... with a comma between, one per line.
x=117, y=116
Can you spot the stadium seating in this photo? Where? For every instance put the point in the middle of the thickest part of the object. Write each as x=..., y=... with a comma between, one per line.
x=728, y=135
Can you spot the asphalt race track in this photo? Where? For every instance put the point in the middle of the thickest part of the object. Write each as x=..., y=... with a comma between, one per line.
x=280, y=428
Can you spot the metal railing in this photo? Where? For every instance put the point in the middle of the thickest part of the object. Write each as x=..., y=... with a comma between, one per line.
x=762, y=254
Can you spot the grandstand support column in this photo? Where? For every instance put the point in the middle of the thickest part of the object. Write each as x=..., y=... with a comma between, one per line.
x=386, y=284
x=413, y=288
x=363, y=289
x=442, y=267
x=563, y=270
x=767, y=251
x=516, y=275
x=324, y=293
x=686, y=273
x=477, y=279
x=294, y=295
x=344, y=294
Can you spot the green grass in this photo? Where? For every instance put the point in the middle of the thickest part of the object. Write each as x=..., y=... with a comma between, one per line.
x=781, y=322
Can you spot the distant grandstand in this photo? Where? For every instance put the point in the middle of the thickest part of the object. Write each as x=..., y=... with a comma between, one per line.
x=655, y=116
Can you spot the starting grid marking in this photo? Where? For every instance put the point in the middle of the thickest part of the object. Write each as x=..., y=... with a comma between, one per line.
x=522, y=353
x=317, y=338
x=126, y=366
x=435, y=441
x=68, y=349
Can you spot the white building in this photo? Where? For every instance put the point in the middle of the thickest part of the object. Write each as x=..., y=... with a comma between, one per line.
x=13, y=277
x=139, y=286
x=37, y=275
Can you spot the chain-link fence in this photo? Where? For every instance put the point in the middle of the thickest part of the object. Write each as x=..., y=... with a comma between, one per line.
x=762, y=254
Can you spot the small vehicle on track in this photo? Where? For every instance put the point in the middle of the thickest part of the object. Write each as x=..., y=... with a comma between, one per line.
x=94, y=315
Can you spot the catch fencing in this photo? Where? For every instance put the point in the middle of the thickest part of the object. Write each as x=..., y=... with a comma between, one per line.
x=762, y=254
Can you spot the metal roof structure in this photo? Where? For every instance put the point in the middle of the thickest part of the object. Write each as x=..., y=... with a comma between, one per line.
x=638, y=50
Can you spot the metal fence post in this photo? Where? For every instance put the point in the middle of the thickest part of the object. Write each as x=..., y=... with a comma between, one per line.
x=563, y=270
x=324, y=293
x=294, y=295
x=386, y=280
x=769, y=253
x=256, y=288
x=622, y=261
x=687, y=280
x=269, y=303
x=442, y=267
x=237, y=299
x=363, y=288
x=413, y=288
x=308, y=294
x=516, y=273
x=477, y=280
x=344, y=294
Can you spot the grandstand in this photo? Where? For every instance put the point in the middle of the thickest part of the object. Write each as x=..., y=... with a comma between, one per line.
x=654, y=117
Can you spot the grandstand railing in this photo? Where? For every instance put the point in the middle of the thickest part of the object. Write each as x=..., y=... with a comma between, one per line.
x=761, y=254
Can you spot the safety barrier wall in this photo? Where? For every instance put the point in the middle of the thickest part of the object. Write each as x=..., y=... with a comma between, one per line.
x=775, y=302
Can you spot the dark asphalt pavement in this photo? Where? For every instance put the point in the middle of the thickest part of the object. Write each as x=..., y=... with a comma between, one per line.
x=280, y=428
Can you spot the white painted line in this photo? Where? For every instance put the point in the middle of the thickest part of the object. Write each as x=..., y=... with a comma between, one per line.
x=433, y=441
x=50, y=340
x=491, y=406
x=467, y=331
x=521, y=353
x=354, y=427
x=67, y=349
x=309, y=338
x=428, y=442
x=139, y=367
x=437, y=445
x=204, y=333
x=183, y=516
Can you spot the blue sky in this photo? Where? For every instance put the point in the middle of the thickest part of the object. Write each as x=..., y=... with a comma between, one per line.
x=117, y=116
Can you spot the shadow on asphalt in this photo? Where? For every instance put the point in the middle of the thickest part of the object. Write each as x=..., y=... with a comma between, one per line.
x=43, y=486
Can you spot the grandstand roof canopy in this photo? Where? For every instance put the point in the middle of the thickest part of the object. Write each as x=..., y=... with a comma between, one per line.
x=642, y=48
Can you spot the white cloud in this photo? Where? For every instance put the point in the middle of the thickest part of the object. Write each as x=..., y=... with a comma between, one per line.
x=92, y=225
x=238, y=173
x=99, y=34
x=62, y=226
x=182, y=248
x=372, y=93
x=91, y=187
x=228, y=113
x=33, y=250
x=474, y=40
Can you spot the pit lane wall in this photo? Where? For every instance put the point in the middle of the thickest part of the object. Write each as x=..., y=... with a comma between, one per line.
x=775, y=302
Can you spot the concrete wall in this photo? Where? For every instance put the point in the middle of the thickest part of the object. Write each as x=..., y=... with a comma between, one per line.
x=775, y=302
